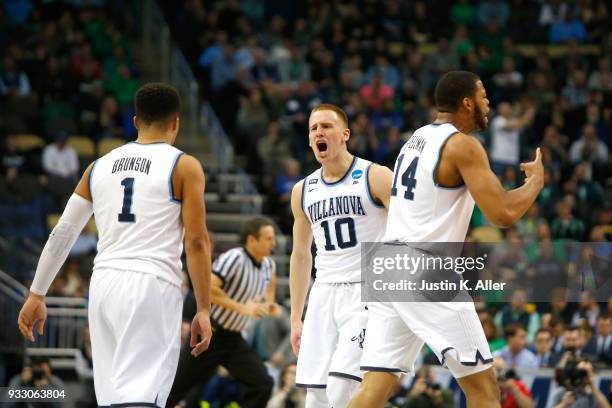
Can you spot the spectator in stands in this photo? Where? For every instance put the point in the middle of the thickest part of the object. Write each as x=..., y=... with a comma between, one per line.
x=506, y=128
x=542, y=347
x=576, y=91
x=569, y=28
x=12, y=160
x=389, y=75
x=492, y=333
x=223, y=69
x=13, y=81
x=565, y=225
x=515, y=354
x=59, y=159
x=253, y=119
x=426, y=392
x=589, y=148
x=514, y=392
x=493, y=11
x=285, y=182
x=288, y=395
x=601, y=79
x=528, y=225
x=110, y=122
x=124, y=85
x=272, y=145
x=550, y=194
x=588, y=310
x=545, y=271
x=600, y=345
x=555, y=143
x=574, y=342
x=517, y=311
x=508, y=82
x=576, y=392
x=376, y=93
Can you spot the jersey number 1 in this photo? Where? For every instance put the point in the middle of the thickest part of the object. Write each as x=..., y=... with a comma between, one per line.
x=408, y=179
x=128, y=190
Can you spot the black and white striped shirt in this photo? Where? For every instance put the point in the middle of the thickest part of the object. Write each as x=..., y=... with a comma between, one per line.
x=243, y=280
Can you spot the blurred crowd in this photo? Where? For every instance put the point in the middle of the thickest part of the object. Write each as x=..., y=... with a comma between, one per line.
x=545, y=65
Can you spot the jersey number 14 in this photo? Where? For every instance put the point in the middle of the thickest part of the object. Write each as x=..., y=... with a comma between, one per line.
x=408, y=179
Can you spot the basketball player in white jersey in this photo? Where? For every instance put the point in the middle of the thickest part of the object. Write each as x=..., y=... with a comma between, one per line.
x=439, y=173
x=146, y=197
x=342, y=205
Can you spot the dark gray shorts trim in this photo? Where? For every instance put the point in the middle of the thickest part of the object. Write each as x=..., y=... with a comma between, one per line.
x=310, y=385
x=344, y=375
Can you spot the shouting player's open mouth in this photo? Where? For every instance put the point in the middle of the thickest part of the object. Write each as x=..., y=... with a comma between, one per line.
x=322, y=146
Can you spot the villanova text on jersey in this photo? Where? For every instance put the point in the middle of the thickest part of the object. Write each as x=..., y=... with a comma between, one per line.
x=334, y=206
x=132, y=164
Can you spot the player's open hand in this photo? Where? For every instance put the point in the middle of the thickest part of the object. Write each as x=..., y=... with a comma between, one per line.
x=34, y=311
x=534, y=170
x=296, y=336
x=201, y=333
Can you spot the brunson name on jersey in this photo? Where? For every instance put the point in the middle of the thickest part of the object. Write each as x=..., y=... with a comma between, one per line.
x=132, y=163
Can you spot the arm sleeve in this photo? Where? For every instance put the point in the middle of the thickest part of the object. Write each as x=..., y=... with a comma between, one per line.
x=76, y=214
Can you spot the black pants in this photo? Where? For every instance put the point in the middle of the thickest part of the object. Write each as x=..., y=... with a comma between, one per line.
x=228, y=349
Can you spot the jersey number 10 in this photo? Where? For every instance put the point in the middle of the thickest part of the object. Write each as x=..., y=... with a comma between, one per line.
x=341, y=242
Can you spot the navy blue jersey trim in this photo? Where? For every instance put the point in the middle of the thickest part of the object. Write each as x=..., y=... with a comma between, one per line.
x=170, y=186
x=382, y=369
x=435, y=170
x=343, y=375
x=343, y=177
x=89, y=178
x=368, y=188
x=310, y=385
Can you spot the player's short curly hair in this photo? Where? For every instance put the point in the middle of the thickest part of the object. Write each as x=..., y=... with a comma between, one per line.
x=452, y=88
x=156, y=102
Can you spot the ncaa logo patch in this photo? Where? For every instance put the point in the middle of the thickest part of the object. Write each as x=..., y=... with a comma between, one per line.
x=357, y=174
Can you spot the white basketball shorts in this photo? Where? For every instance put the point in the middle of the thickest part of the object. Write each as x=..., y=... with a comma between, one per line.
x=332, y=336
x=396, y=332
x=134, y=321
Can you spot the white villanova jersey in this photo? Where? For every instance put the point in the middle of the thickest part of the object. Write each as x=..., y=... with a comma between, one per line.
x=343, y=214
x=421, y=210
x=139, y=222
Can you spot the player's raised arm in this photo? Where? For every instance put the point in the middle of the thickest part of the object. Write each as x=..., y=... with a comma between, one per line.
x=77, y=213
x=380, y=179
x=189, y=177
x=300, y=265
x=501, y=207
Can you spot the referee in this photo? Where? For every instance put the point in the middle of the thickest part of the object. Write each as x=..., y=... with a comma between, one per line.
x=243, y=289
